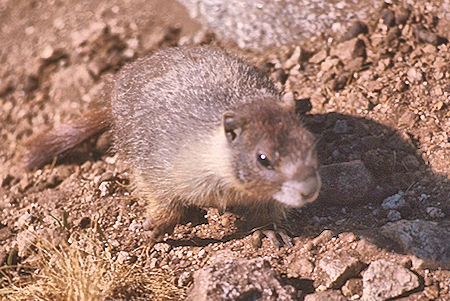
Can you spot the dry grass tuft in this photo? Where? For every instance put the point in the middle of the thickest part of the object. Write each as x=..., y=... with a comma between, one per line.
x=71, y=273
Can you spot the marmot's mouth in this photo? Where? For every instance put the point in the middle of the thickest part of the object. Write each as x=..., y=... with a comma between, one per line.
x=299, y=193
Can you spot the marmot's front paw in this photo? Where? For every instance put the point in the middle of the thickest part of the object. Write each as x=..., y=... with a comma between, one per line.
x=278, y=237
x=154, y=232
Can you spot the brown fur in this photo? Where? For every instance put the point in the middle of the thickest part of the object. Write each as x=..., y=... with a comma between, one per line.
x=51, y=144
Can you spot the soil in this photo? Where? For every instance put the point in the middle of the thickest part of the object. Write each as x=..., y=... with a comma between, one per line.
x=380, y=96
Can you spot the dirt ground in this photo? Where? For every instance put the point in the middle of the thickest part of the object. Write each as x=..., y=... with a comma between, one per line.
x=380, y=96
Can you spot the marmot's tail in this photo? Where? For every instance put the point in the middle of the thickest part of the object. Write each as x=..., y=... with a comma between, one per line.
x=45, y=147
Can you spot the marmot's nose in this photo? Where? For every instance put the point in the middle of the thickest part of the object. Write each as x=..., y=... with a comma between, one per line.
x=301, y=186
x=309, y=182
x=309, y=188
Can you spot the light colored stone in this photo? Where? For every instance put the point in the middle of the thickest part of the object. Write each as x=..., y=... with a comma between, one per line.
x=25, y=241
x=318, y=57
x=228, y=277
x=424, y=239
x=353, y=288
x=294, y=59
x=350, y=49
x=414, y=75
x=329, y=63
x=394, y=201
x=323, y=237
x=298, y=267
x=384, y=280
x=162, y=247
x=336, y=270
x=326, y=296
x=121, y=257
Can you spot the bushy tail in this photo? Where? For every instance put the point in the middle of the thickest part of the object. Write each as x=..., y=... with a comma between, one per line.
x=46, y=146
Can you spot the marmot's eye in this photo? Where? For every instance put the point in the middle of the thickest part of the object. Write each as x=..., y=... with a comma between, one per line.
x=264, y=161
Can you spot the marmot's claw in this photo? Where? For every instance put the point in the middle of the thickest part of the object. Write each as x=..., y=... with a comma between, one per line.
x=278, y=237
x=272, y=236
x=286, y=238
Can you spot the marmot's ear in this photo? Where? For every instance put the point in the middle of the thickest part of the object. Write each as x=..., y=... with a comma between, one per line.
x=233, y=125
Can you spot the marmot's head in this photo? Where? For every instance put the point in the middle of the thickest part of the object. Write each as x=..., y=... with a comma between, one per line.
x=273, y=154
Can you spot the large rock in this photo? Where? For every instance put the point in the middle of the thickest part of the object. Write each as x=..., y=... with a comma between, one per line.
x=228, y=277
x=424, y=239
x=265, y=23
x=385, y=280
x=335, y=270
x=345, y=183
x=298, y=267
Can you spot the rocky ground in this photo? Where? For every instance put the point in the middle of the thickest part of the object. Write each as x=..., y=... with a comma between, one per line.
x=376, y=94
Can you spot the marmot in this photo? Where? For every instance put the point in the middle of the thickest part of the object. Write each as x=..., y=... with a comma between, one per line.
x=199, y=127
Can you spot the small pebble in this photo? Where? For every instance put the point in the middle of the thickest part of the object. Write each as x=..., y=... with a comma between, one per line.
x=388, y=17
x=121, y=257
x=323, y=237
x=84, y=222
x=47, y=52
x=402, y=15
x=318, y=57
x=162, y=247
x=185, y=279
x=135, y=226
x=394, y=215
x=394, y=201
x=425, y=36
x=348, y=237
x=294, y=59
x=435, y=212
x=104, y=188
x=353, y=287
x=350, y=49
x=111, y=160
x=201, y=253
x=303, y=106
x=339, y=82
x=414, y=75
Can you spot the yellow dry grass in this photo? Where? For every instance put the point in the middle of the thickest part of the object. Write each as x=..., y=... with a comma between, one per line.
x=71, y=273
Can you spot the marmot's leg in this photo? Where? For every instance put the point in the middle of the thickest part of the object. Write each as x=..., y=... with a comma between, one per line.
x=162, y=216
x=269, y=216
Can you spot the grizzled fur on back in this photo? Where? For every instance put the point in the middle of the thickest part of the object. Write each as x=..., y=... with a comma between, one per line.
x=199, y=127
x=161, y=100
